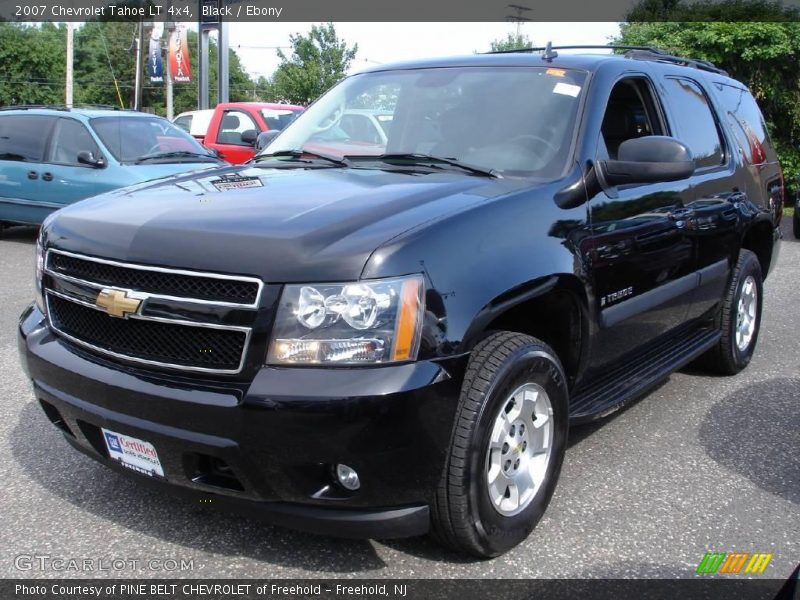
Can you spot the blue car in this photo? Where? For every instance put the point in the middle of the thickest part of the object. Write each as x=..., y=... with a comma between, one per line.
x=51, y=157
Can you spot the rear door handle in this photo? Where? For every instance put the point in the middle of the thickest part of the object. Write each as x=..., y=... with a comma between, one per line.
x=33, y=175
x=47, y=176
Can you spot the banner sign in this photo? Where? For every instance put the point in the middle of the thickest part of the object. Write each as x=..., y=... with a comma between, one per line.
x=179, y=66
x=155, y=64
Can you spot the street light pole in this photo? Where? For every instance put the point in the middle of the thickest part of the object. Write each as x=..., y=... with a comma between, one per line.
x=137, y=100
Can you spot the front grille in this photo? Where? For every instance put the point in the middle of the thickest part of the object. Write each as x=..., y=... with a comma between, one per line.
x=163, y=282
x=149, y=341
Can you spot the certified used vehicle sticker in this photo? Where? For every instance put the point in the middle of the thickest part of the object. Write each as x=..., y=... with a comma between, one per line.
x=133, y=453
x=234, y=182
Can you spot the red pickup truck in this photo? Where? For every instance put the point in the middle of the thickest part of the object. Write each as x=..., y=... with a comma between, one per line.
x=235, y=126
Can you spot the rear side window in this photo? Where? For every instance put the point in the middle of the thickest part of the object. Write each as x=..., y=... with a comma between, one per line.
x=746, y=122
x=696, y=126
x=24, y=137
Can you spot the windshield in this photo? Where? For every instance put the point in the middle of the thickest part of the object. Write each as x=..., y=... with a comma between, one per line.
x=129, y=138
x=509, y=120
x=279, y=118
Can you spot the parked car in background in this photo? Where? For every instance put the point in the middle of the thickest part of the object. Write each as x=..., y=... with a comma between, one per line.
x=235, y=126
x=51, y=157
x=195, y=122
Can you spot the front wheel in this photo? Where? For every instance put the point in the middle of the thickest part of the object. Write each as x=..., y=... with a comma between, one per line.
x=507, y=446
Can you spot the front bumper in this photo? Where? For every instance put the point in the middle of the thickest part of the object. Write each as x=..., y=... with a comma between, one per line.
x=267, y=447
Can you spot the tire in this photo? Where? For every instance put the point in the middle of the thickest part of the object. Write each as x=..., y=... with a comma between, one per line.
x=505, y=370
x=796, y=224
x=732, y=354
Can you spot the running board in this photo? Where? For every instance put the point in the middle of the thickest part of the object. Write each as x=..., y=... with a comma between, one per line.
x=632, y=378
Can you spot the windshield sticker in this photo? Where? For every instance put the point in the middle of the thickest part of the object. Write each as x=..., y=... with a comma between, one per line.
x=567, y=89
x=234, y=182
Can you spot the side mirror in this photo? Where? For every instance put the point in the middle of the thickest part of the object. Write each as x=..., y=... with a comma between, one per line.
x=249, y=137
x=650, y=159
x=265, y=137
x=87, y=158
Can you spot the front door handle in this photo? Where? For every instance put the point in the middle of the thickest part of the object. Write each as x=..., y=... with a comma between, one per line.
x=681, y=213
x=33, y=175
x=47, y=176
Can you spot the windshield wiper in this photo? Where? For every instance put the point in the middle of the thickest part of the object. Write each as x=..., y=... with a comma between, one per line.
x=175, y=154
x=298, y=154
x=434, y=162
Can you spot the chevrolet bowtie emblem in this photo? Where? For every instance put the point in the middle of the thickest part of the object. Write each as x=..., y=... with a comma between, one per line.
x=117, y=303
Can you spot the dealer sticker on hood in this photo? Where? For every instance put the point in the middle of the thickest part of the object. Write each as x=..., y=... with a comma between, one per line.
x=235, y=182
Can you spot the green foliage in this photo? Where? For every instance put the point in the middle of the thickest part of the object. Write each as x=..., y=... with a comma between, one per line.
x=318, y=61
x=512, y=41
x=32, y=64
x=762, y=54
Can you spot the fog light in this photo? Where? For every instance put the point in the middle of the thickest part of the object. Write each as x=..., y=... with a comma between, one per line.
x=348, y=477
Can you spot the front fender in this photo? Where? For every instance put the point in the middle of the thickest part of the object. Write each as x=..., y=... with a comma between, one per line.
x=487, y=259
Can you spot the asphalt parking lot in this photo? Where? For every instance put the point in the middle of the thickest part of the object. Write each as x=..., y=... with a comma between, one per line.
x=700, y=464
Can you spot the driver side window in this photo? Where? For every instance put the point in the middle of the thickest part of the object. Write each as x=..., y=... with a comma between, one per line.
x=630, y=113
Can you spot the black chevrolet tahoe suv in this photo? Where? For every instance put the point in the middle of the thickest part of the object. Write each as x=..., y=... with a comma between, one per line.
x=384, y=324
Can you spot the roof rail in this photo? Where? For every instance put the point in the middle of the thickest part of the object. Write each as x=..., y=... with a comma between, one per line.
x=33, y=106
x=578, y=47
x=64, y=107
x=632, y=52
x=661, y=56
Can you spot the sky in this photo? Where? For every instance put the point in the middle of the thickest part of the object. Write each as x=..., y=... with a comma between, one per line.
x=380, y=43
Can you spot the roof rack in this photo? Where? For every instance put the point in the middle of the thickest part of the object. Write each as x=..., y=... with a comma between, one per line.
x=632, y=52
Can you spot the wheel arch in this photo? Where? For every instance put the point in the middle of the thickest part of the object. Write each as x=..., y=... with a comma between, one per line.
x=759, y=239
x=553, y=309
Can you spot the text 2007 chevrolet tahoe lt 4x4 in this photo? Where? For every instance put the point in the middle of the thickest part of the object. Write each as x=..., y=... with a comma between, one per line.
x=381, y=339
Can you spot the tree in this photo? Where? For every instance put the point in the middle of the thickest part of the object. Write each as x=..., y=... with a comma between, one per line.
x=32, y=64
x=513, y=41
x=318, y=61
x=761, y=54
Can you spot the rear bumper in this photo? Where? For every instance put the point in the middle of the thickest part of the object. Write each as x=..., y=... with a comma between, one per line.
x=268, y=447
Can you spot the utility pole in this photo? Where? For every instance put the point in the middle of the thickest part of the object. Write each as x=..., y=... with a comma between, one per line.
x=223, y=77
x=137, y=100
x=168, y=79
x=70, y=52
x=202, y=66
x=518, y=18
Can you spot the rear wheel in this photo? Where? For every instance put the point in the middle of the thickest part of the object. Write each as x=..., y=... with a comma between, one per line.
x=739, y=318
x=507, y=446
x=796, y=224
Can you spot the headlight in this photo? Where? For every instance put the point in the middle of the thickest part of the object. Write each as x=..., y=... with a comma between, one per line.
x=39, y=273
x=376, y=321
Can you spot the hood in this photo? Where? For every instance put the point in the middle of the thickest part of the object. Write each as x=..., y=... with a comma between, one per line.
x=279, y=224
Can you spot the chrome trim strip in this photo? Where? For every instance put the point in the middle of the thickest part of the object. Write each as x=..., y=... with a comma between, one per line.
x=145, y=318
x=247, y=331
x=123, y=265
